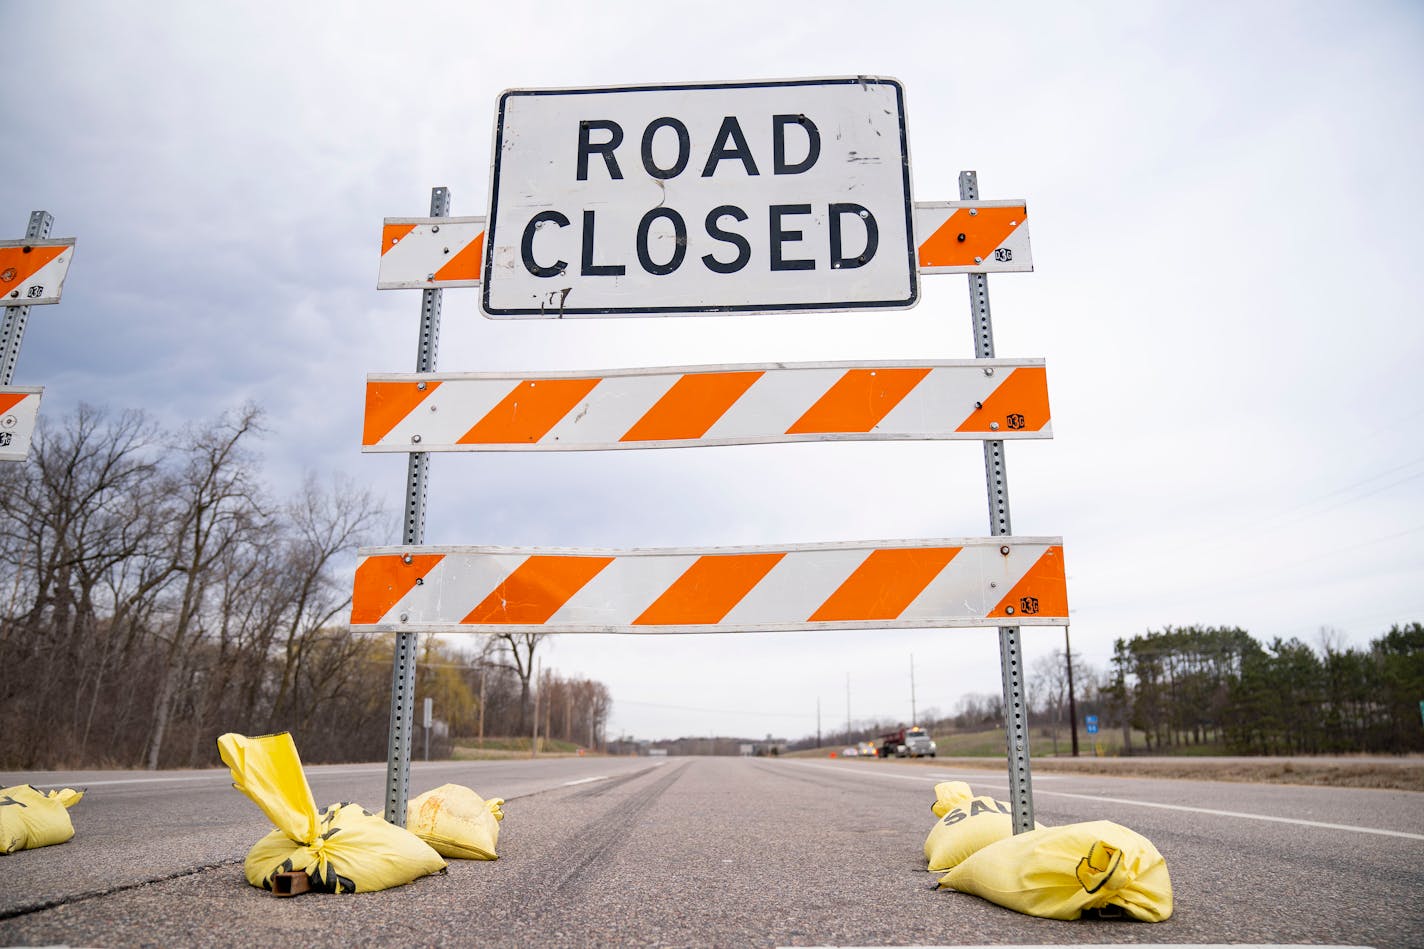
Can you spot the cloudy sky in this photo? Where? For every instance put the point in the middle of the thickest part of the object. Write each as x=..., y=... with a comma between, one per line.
x=1227, y=294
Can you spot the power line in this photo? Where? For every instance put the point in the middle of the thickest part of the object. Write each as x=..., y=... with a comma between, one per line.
x=716, y=711
x=1358, y=497
x=1334, y=551
x=1284, y=518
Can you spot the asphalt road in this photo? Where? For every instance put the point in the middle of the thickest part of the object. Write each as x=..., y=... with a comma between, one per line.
x=716, y=851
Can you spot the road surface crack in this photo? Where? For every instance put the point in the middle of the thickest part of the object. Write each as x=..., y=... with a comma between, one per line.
x=28, y=908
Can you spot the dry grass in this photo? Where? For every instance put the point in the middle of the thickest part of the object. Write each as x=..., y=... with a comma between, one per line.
x=1402, y=774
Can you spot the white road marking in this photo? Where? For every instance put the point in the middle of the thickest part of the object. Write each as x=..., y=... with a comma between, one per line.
x=1265, y=817
x=225, y=778
x=1168, y=807
x=597, y=777
x=91, y=784
x=975, y=775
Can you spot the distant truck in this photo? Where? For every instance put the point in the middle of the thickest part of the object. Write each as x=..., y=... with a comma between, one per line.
x=912, y=742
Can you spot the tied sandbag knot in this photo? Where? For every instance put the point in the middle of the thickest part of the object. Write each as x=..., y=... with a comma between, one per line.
x=1099, y=866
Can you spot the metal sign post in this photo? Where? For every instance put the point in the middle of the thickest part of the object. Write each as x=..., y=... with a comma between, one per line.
x=403, y=669
x=13, y=330
x=1010, y=655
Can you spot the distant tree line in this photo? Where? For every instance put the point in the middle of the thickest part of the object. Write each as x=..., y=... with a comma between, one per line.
x=1194, y=685
x=485, y=691
x=153, y=595
x=1213, y=687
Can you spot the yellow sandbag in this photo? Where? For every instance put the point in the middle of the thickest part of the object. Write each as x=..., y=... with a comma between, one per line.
x=967, y=823
x=1059, y=872
x=456, y=821
x=344, y=849
x=355, y=852
x=31, y=818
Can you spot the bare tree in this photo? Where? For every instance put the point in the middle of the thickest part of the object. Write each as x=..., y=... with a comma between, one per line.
x=68, y=528
x=520, y=648
x=218, y=504
x=157, y=597
x=326, y=523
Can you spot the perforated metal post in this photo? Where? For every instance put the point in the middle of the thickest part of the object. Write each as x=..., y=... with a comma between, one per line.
x=12, y=332
x=1010, y=655
x=403, y=670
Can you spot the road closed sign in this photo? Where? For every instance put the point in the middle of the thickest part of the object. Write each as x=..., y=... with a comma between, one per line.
x=737, y=197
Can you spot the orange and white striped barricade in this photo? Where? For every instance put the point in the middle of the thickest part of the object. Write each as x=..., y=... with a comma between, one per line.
x=426, y=253
x=423, y=253
x=707, y=405
x=972, y=237
x=860, y=585
x=19, y=413
x=32, y=272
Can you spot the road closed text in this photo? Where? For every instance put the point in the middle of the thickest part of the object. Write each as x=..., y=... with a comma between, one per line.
x=776, y=197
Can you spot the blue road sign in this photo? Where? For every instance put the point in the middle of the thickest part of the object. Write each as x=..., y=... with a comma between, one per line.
x=1092, y=721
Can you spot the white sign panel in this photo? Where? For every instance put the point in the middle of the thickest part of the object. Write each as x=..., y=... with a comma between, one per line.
x=734, y=197
x=19, y=412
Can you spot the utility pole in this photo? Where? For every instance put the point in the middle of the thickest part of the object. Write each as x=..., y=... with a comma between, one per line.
x=534, y=745
x=428, y=721
x=818, y=721
x=1072, y=701
x=847, y=706
x=914, y=716
x=482, y=704
x=548, y=708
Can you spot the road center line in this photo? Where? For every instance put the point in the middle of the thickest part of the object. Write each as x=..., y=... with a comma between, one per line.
x=1168, y=807
x=597, y=777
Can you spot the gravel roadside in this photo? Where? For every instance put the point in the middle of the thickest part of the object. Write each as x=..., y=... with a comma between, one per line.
x=1404, y=773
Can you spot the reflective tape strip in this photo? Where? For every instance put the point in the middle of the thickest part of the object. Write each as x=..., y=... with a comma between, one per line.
x=19, y=413
x=33, y=272
x=986, y=581
x=707, y=405
x=953, y=237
